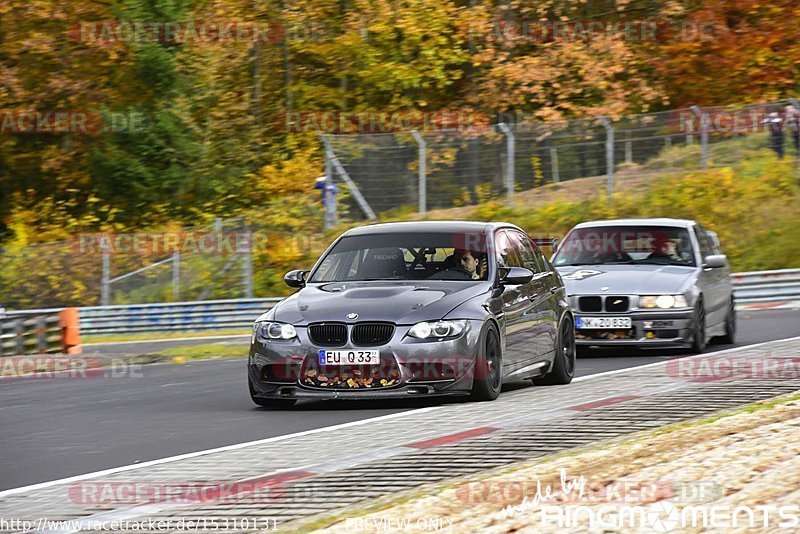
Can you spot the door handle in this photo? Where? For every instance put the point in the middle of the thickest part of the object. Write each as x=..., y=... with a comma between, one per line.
x=553, y=290
x=533, y=296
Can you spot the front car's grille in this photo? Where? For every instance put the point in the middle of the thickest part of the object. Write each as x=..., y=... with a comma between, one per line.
x=384, y=375
x=328, y=334
x=616, y=304
x=372, y=334
x=590, y=304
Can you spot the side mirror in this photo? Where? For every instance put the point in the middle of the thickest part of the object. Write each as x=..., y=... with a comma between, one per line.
x=715, y=261
x=515, y=276
x=296, y=278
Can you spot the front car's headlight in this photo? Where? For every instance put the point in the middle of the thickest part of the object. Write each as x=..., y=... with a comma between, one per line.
x=437, y=329
x=274, y=330
x=663, y=302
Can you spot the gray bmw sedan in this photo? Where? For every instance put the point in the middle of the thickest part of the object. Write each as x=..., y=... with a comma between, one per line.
x=415, y=310
x=647, y=283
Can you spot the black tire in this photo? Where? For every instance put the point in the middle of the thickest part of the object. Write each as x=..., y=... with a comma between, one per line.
x=269, y=403
x=563, y=368
x=729, y=338
x=488, y=379
x=699, y=340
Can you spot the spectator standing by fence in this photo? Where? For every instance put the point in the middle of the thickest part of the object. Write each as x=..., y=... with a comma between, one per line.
x=774, y=124
x=791, y=120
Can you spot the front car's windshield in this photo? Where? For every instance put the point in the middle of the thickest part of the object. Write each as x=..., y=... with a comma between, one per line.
x=401, y=256
x=601, y=245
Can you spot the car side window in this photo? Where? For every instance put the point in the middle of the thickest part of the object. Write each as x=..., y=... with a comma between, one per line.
x=505, y=250
x=706, y=245
x=541, y=261
x=526, y=250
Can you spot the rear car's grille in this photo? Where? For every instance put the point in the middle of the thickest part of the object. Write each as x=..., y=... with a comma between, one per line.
x=372, y=334
x=590, y=304
x=590, y=333
x=616, y=304
x=384, y=375
x=328, y=334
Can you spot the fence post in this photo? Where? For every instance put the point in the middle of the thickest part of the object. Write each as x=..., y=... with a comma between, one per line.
x=510, y=141
x=667, y=147
x=105, y=284
x=328, y=180
x=628, y=148
x=423, y=178
x=554, y=164
x=337, y=166
x=609, y=155
x=703, y=135
x=176, y=275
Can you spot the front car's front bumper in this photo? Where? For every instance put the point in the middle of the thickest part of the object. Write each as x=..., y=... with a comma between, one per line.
x=410, y=367
x=649, y=328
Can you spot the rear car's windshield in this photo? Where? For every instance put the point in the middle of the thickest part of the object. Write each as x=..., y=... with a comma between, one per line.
x=413, y=256
x=602, y=245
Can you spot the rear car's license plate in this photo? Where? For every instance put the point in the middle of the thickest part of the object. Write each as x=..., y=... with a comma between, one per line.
x=602, y=322
x=349, y=357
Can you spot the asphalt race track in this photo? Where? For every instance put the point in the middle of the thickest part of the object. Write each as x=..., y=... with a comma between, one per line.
x=55, y=428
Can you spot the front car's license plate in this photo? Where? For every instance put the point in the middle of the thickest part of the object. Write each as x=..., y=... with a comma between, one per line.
x=349, y=357
x=602, y=322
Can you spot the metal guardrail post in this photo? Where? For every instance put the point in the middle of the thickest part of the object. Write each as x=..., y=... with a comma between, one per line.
x=176, y=275
x=510, y=156
x=247, y=265
x=423, y=178
x=703, y=135
x=105, y=284
x=609, y=155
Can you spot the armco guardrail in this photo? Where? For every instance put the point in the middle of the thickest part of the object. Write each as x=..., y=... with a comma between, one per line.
x=54, y=331
x=761, y=286
x=767, y=286
x=165, y=317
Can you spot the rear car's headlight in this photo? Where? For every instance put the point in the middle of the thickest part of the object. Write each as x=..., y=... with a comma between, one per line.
x=663, y=302
x=274, y=330
x=437, y=329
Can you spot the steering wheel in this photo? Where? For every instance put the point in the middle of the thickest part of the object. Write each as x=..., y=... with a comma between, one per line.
x=460, y=270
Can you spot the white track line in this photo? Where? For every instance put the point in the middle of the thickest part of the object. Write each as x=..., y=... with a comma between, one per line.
x=131, y=467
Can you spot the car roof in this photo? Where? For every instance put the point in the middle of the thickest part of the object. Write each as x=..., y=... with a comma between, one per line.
x=427, y=226
x=656, y=221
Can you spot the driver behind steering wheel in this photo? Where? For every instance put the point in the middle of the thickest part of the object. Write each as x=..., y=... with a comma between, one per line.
x=467, y=261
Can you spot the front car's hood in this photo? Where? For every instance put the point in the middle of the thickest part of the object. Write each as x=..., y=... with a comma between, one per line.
x=626, y=279
x=403, y=302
